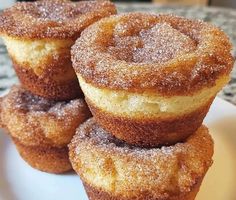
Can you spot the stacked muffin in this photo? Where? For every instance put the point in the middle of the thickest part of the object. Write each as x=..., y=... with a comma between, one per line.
x=149, y=81
x=42, y=113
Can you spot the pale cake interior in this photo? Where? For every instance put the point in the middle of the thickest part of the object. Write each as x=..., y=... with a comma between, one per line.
x=123, y=103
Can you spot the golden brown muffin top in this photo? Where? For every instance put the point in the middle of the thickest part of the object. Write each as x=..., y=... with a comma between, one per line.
x=52, y=19
x=35, y=120
x=23, y=101
x=132, y=171
x=161, y=53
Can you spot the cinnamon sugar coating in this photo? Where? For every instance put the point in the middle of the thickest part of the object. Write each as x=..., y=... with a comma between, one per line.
x=44, y=158
x=128, y=172
x=98, y=194
x=163, y=53
x=52, y=19
x=37, y=121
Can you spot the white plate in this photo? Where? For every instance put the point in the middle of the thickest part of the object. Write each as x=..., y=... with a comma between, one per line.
x=18, y=181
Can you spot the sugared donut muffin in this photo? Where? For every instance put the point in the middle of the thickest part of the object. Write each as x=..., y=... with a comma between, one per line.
x=39, y=35
x=113, y=170
x=150, y=79
x=41, y=128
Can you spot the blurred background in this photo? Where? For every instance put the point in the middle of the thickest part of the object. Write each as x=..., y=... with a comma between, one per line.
x=219, y=3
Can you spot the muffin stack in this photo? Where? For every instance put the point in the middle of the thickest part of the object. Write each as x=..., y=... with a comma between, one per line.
x=149, y=81
x=41, y=114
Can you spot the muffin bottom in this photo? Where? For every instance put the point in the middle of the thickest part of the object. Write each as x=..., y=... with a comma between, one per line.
x=96, y=194
x=153, y=132
x=46, y=87
x=45, y=158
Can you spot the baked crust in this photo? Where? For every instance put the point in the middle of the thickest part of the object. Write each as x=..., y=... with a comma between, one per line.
x=96, y=194
x=45, y=86
x=36, y=121
x=182, y=74
x=117, y=168
x=52, y=19
x=45, y=158
x=150, y=132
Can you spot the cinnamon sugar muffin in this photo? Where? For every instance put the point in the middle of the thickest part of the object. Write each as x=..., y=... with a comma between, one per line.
x=39, y=35
x=152, y=79
x=41, y=128
x=114, y=170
